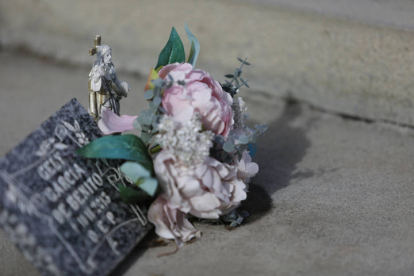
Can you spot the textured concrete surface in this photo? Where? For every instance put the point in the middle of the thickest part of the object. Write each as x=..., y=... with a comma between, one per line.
x=396, y=13
x=333, y=197
x=324, y=55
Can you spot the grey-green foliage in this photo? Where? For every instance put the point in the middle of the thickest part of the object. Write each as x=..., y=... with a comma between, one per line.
x=235, y=217
x=148, y=120
x=231, y=88
x=238, y=140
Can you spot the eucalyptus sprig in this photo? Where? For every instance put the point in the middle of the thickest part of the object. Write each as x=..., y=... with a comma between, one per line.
x=148, y=120
x=228, y=86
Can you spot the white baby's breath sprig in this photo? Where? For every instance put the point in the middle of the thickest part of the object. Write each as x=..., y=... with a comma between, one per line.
x=187, y=142
x=239, y=109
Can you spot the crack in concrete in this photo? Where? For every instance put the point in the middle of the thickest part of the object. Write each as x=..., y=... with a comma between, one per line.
x=52, y=60
x=345, y=116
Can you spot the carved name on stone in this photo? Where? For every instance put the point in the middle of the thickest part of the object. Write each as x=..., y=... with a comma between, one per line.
x=63, y=211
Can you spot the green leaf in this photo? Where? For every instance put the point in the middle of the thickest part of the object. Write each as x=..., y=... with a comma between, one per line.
x=130, y=195
x=134, y=171
x=140, y=176
x=129, y=147
x=230, y=76
x=149, y=185
x=173, y=50
x=195, y=46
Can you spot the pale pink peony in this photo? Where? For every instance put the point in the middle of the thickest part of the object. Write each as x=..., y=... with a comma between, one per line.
x=205, y=190
x=171, y=223
x=112, y=123
x=201, y=94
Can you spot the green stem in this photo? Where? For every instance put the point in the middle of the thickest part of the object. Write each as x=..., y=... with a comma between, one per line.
x=155, y=149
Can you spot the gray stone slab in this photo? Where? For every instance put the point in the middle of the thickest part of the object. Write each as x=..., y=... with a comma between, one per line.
x=63, y=211
x=333, y=195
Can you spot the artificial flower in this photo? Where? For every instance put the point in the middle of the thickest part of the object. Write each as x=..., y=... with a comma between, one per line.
x=205, y=190
x=112, y=123
x=171, y=223
x=196, y=91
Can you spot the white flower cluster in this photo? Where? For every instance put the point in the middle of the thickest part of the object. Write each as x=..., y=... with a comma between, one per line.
x=239, y=110
x=187, y=142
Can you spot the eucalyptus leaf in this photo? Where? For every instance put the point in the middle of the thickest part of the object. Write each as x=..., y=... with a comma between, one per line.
x=238, y=72
x=145, y=117
x=244, y=82
x=149, y=94
x=237, y=82
x=145, y=137
x=230, y=76
x=240, y=60
x=173, y=50
x=153, y=106
x=136, y=124
x=228, y=146
x=162, y=109
x=157, y=101
x=244, y=139
x=129, y=147
x=145, y=128
x=158, y=83
x=195, y=46
x=131, y=196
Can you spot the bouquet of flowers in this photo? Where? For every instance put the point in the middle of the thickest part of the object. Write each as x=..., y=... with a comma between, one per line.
x=193, y=157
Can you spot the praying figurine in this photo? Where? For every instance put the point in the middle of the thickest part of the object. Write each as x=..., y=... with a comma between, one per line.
x=105, y=89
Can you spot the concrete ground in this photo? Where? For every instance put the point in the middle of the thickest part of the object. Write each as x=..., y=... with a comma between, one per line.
x=349, y=56
x=334, y=195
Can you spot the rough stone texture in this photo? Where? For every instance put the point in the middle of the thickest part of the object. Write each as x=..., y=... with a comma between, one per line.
x=333, y=196
x=340, y=65
x=396, y=13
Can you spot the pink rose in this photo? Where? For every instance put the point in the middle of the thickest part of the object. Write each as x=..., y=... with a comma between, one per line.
x=201, y=94
x=171, y=223
x=205, y=190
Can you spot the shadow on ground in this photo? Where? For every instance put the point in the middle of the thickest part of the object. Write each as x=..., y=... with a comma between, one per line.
x=280, y=150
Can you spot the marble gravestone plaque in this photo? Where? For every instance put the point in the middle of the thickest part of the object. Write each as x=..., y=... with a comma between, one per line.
x=64, y=211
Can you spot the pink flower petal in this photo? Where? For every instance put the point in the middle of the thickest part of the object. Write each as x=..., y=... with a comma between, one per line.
x=111, y=123
x=171, y=223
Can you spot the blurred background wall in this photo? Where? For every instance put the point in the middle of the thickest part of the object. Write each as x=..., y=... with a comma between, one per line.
x=348, y=56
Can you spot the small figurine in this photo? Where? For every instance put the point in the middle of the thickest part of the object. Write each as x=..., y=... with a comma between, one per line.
x=105, y=89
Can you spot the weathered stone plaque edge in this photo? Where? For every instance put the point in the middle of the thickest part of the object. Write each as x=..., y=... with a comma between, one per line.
x=42, y=259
